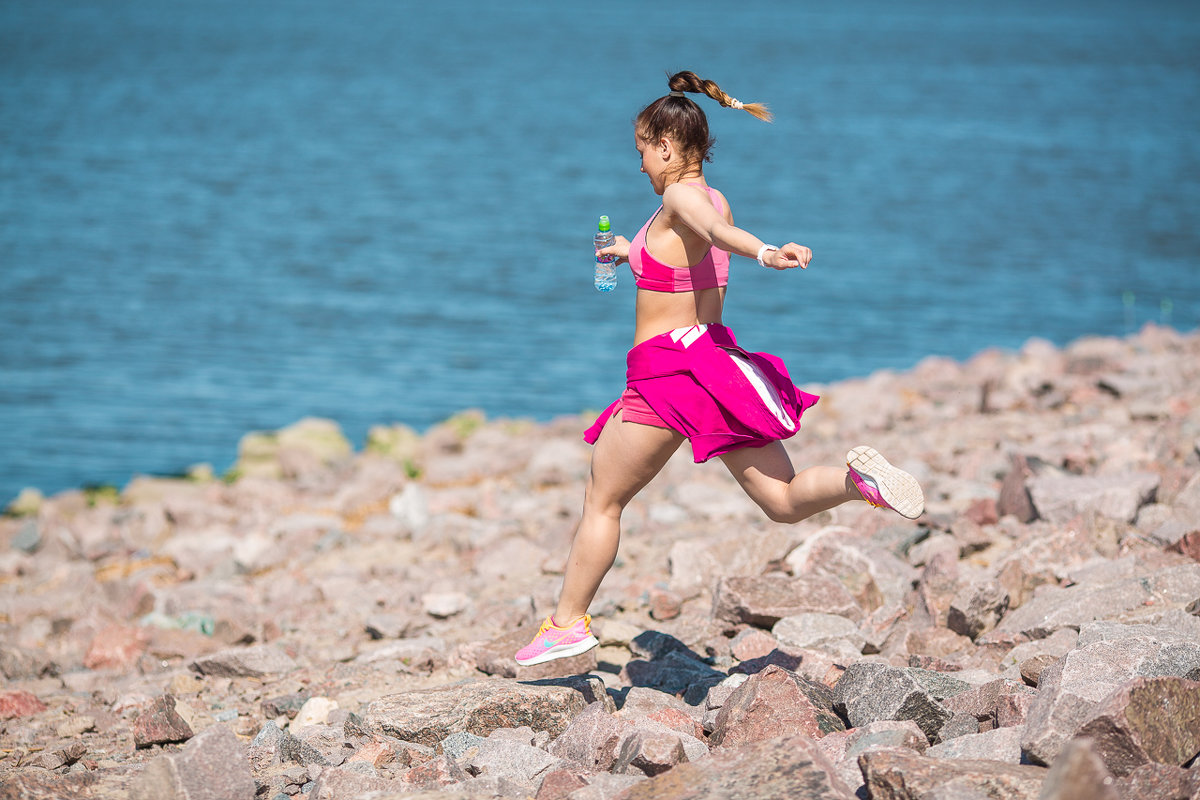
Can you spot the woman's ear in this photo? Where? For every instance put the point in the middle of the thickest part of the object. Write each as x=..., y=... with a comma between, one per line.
x=666, y=148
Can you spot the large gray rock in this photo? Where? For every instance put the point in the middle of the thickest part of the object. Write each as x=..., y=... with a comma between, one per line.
x=1155, y=782
x=764, y=600
x=312, y=745
x=773, y=703
x=258, y=661
x=212, y=766
x=904, y=775
x=1145, y=721
x=500, y=756
x=873, y=574
x=324, y=745
x=786, y=767
x=1061, y=498
x=651, y=749
x=1175, y=625
x=818, y=631
x=1079, y=774
x=845, y=747
x=869, y=692
x=428, y=716
x=591, y=738
x=998, y=744
x=1127, y=599
x=976, y=608
x=350, y=782
x=1072, y=689
x=983, y=702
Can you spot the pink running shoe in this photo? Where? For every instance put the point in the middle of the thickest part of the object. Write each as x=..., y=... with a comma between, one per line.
x=554, y=642
x=883, y=485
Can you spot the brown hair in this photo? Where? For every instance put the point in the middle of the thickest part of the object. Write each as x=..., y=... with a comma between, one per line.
x=683, y=121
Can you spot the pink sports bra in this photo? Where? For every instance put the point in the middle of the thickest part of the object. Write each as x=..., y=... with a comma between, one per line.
x=650, y=273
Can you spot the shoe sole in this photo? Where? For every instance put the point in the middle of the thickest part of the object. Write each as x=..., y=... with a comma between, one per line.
x=898, y=489
x=582, y=646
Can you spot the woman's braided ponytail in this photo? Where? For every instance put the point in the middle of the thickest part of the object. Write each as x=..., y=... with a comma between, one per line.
x=688, y=81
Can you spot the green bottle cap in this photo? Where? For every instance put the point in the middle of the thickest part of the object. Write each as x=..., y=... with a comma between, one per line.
x=604, y=226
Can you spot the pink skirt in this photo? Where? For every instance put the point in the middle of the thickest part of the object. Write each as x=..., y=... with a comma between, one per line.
x=698, y=382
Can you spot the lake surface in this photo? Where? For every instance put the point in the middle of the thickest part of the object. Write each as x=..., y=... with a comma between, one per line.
x=218, y=217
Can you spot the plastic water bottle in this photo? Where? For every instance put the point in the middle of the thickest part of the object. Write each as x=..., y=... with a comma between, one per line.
x=606, y=273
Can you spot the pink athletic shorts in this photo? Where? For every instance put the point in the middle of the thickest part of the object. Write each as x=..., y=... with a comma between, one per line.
x=634, y=408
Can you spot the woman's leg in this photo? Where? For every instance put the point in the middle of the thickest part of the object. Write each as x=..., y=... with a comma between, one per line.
x=767, y=476
x=625, y=458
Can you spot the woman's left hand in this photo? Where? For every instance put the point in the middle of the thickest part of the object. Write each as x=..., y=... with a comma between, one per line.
x=790, y=256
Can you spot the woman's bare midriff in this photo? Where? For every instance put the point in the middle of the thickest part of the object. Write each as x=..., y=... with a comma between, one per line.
x=659, y=312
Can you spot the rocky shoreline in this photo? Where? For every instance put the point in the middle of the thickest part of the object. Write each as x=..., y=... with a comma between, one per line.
x=333, y=624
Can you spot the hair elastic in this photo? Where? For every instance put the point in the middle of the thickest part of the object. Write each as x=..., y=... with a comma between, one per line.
x=735, y=103
x=677, y=94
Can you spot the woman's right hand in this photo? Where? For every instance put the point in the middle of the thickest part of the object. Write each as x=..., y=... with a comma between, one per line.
x=619, y=248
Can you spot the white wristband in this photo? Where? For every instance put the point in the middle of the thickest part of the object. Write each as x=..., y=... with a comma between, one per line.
x=762, y=251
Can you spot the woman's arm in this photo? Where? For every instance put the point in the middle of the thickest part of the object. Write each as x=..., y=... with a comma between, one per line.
x=696, y=211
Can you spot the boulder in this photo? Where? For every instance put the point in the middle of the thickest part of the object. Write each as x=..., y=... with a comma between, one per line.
x=791, y=767
x=498, y=756
x=1060, y=498
x=16, y=703
x=998, y=744
x=427, y=716
x=870, y=692
x=212, y=766
x=1071, y=690
x=773, y=703
x=160, y=723
x=591, y=738
x=1124, y=599
x=257, y=661
x=976, y=608
x=984, y=702
x=818, y=631
x=116, y=647
x=904, y=775
x=764, y=600
x=1155, y=782
x=652, y=749
x=1146, y=720
x=1079, y=774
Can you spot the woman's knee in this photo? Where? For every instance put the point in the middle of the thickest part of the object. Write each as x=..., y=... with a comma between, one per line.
x=597, y=501
x=779, y=512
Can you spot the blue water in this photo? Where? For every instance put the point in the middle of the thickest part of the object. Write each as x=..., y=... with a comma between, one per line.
x=220, y=216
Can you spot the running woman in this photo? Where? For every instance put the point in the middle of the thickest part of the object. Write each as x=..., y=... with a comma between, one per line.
x=687, y=378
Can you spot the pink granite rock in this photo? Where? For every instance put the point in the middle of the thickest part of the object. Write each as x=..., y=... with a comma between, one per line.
x=772, y=703
x=116, y=647
x=19, y=703
x=763, y=601
x=211, y=765
x=1147, y=720
x=905, y=775
x=160, y=723
x=783, y=767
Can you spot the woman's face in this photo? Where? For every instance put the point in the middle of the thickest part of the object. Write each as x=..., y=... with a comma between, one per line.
x=655, y=158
